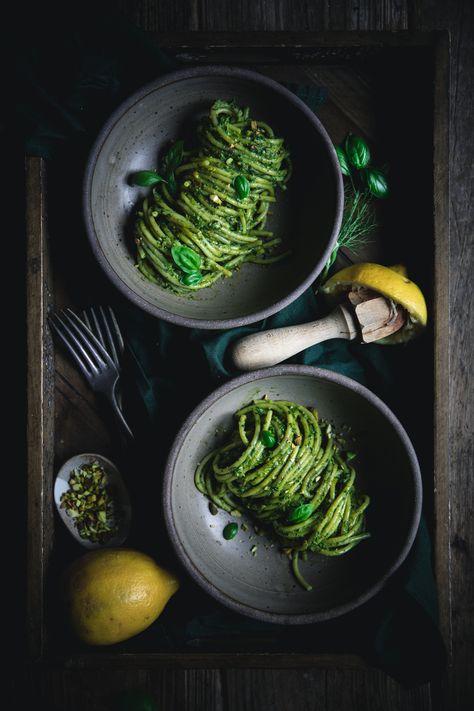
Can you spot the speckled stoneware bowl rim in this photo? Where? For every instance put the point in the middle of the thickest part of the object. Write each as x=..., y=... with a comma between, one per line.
x=192, y=568
x=165, y=80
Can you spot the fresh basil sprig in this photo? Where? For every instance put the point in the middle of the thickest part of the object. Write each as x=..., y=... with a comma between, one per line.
x=189, y=262
x=364, y=182
x=171, y=161
x=186, y=258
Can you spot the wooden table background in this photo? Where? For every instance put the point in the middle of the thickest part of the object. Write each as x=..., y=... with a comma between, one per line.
x=331, y=688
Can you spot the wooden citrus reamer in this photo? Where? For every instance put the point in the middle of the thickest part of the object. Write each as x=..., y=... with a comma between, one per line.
x=364, y=314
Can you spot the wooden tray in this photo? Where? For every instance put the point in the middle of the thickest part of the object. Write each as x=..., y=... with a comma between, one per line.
x=392, y=87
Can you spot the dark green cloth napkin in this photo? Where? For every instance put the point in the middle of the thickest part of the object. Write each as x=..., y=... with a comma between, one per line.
x=174, y=368
x=69, y=82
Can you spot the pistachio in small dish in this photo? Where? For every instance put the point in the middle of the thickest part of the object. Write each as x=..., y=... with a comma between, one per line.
x=92, y=501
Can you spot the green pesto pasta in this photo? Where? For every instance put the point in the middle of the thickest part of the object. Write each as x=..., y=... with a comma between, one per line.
x=292, y=473
x=215, y=204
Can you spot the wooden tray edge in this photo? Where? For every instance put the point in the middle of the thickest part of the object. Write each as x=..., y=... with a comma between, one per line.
x=40, y=378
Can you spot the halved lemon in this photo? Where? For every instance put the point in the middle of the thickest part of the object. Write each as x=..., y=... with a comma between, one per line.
x=391, y=282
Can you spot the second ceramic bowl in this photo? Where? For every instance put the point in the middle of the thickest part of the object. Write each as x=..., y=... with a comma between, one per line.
x=263, y=586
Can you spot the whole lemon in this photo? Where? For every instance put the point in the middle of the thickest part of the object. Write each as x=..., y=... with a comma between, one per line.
x=114, y=593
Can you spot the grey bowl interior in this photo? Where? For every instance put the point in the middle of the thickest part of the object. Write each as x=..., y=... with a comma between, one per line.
x=263, y=586
x=307, y=215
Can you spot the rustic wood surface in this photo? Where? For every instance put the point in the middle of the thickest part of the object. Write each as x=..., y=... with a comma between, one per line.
x=322, y=688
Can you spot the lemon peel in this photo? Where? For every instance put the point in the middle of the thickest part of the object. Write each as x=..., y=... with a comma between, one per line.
x=393, y=283
x=112, y=594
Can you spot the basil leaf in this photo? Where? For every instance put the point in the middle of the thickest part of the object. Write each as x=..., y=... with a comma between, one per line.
x=241, y=186
x=146, y=178
x=173, y=158
x=300, y=513
x=186, y=258
x=192, y=278
x=343, y=162
x=357, y=151
x=376, y=182
x=172, y=184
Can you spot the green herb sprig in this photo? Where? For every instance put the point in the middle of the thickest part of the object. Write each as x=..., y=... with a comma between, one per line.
x=171, y=161
x=189, y=262
x=363, y=183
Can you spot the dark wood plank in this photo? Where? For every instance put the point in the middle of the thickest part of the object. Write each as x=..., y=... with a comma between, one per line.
x=268, y=15
x=40, y=403
x=332, y=689
x=200, y=660
x=99, y=689
x=458, y=529
x=442, y=342
x=290, y=38
x=461, y=402
x=79, y=422
x=234, y=690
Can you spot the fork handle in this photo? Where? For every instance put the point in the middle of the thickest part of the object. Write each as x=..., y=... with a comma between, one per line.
x=119, y=416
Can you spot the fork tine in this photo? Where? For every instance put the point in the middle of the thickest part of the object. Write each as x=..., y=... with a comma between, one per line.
x=92, y=323
x=85, y=318
x=95, y=347
x=116, y=330
x=73, y=346
x=112, y=339
x=109, y=335
x=96, y=328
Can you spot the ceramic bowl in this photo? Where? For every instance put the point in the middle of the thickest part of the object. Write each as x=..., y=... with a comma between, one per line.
x=307, y=215
x=119, y=492
x=263, y=586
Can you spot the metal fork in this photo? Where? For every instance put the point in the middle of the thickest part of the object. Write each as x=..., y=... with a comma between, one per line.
x=102, y=321
x=93, y=360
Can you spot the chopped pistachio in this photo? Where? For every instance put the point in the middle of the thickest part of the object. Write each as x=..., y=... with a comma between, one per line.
x=89, y=502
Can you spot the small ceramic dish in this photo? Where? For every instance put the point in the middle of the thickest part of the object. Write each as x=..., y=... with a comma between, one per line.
x=262, y=585
x=118, y=492
x=307, y=216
